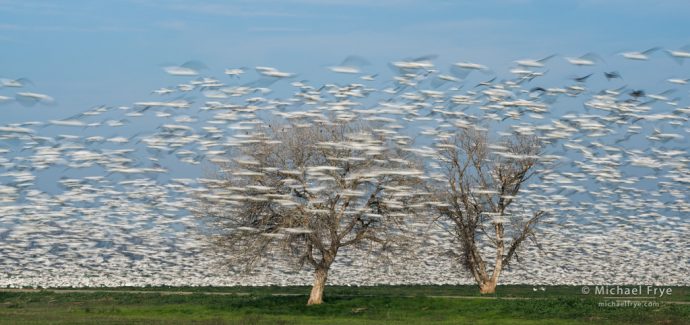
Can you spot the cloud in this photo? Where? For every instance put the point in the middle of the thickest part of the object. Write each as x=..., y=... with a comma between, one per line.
x=31, y=7
x=176, y=25
x=386, y=3
x=8, y=27
x=64, y=28
x=275, y=30
x=476, y=25
x=353, y=3
x=641, y=7
x=213, y=8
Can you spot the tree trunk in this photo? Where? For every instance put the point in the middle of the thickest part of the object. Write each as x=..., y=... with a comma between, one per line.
x=487, y=286
x=316, y=296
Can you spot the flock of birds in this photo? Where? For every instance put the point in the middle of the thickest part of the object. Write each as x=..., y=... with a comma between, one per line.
x=96, y=199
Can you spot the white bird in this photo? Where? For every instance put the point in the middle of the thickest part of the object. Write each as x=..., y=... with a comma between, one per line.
x=181, y=103
x=236, y=72
x=640, y=56
x=415, y=64
x=678, y=81
x=67, y=123
x=187, y=69
x=588, y=59
x=14, y=83
x=345, y=69
x=680, y=55
x=531, y=63
x=470, y=65
x=463, y=69
x=273, y=72
x=350, y=65
x=163, y=91
x=30, y=98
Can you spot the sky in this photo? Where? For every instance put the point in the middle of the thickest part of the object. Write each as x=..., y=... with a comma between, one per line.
x=87, y=53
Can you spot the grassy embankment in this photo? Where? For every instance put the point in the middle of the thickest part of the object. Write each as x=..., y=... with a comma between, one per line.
x=344, y=305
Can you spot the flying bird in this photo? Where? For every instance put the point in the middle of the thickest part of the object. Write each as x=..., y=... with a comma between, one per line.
x=187, y=69
x=31, y=98
x=639, y=56
x=532, y=63
x=680, y=55
x=350, y=65
x=587, y=59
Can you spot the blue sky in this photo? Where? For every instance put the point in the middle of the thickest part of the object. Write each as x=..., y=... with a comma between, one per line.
x=86, y=53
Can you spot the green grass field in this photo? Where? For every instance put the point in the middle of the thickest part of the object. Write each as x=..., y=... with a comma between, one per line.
x=343, y=305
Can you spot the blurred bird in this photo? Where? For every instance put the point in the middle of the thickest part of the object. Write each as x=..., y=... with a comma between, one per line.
x=640, y=56
x=187, y=69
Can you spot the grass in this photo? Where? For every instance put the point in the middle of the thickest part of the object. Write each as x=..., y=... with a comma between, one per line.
x=344, y=305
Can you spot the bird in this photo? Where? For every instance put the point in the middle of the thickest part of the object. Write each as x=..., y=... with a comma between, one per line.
x=612, y=75
x=583, y=78
x=32, y=98
x=531, y=63
x=273, y=72
x=587, y=59
x=413, y=64
x=187, y=69
x=637, y=93
x=680, y=55
x=639, y=56
x=14, y=83
x=234, y=72
x=350, y=65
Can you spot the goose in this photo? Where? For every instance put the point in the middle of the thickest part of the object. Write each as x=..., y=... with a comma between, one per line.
x=163, y=91
x=470, y=66
x=234, y=72
x=612, y=75
x=679, y=55
x=345, y=69
x=31, y=98
x=678, y=81
x=181, y=103
x=14, y=83
x=421, y=63
x=588, y=59
x=187, y=69
x=350, y=65
x=531, y=63
x=640, y=56
x=273, y=72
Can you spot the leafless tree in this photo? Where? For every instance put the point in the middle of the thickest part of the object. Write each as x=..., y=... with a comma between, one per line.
x=311, y=189
x=475, y=188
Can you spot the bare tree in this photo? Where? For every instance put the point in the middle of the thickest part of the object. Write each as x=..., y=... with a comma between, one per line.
x=310, y=189
x=474, y=192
